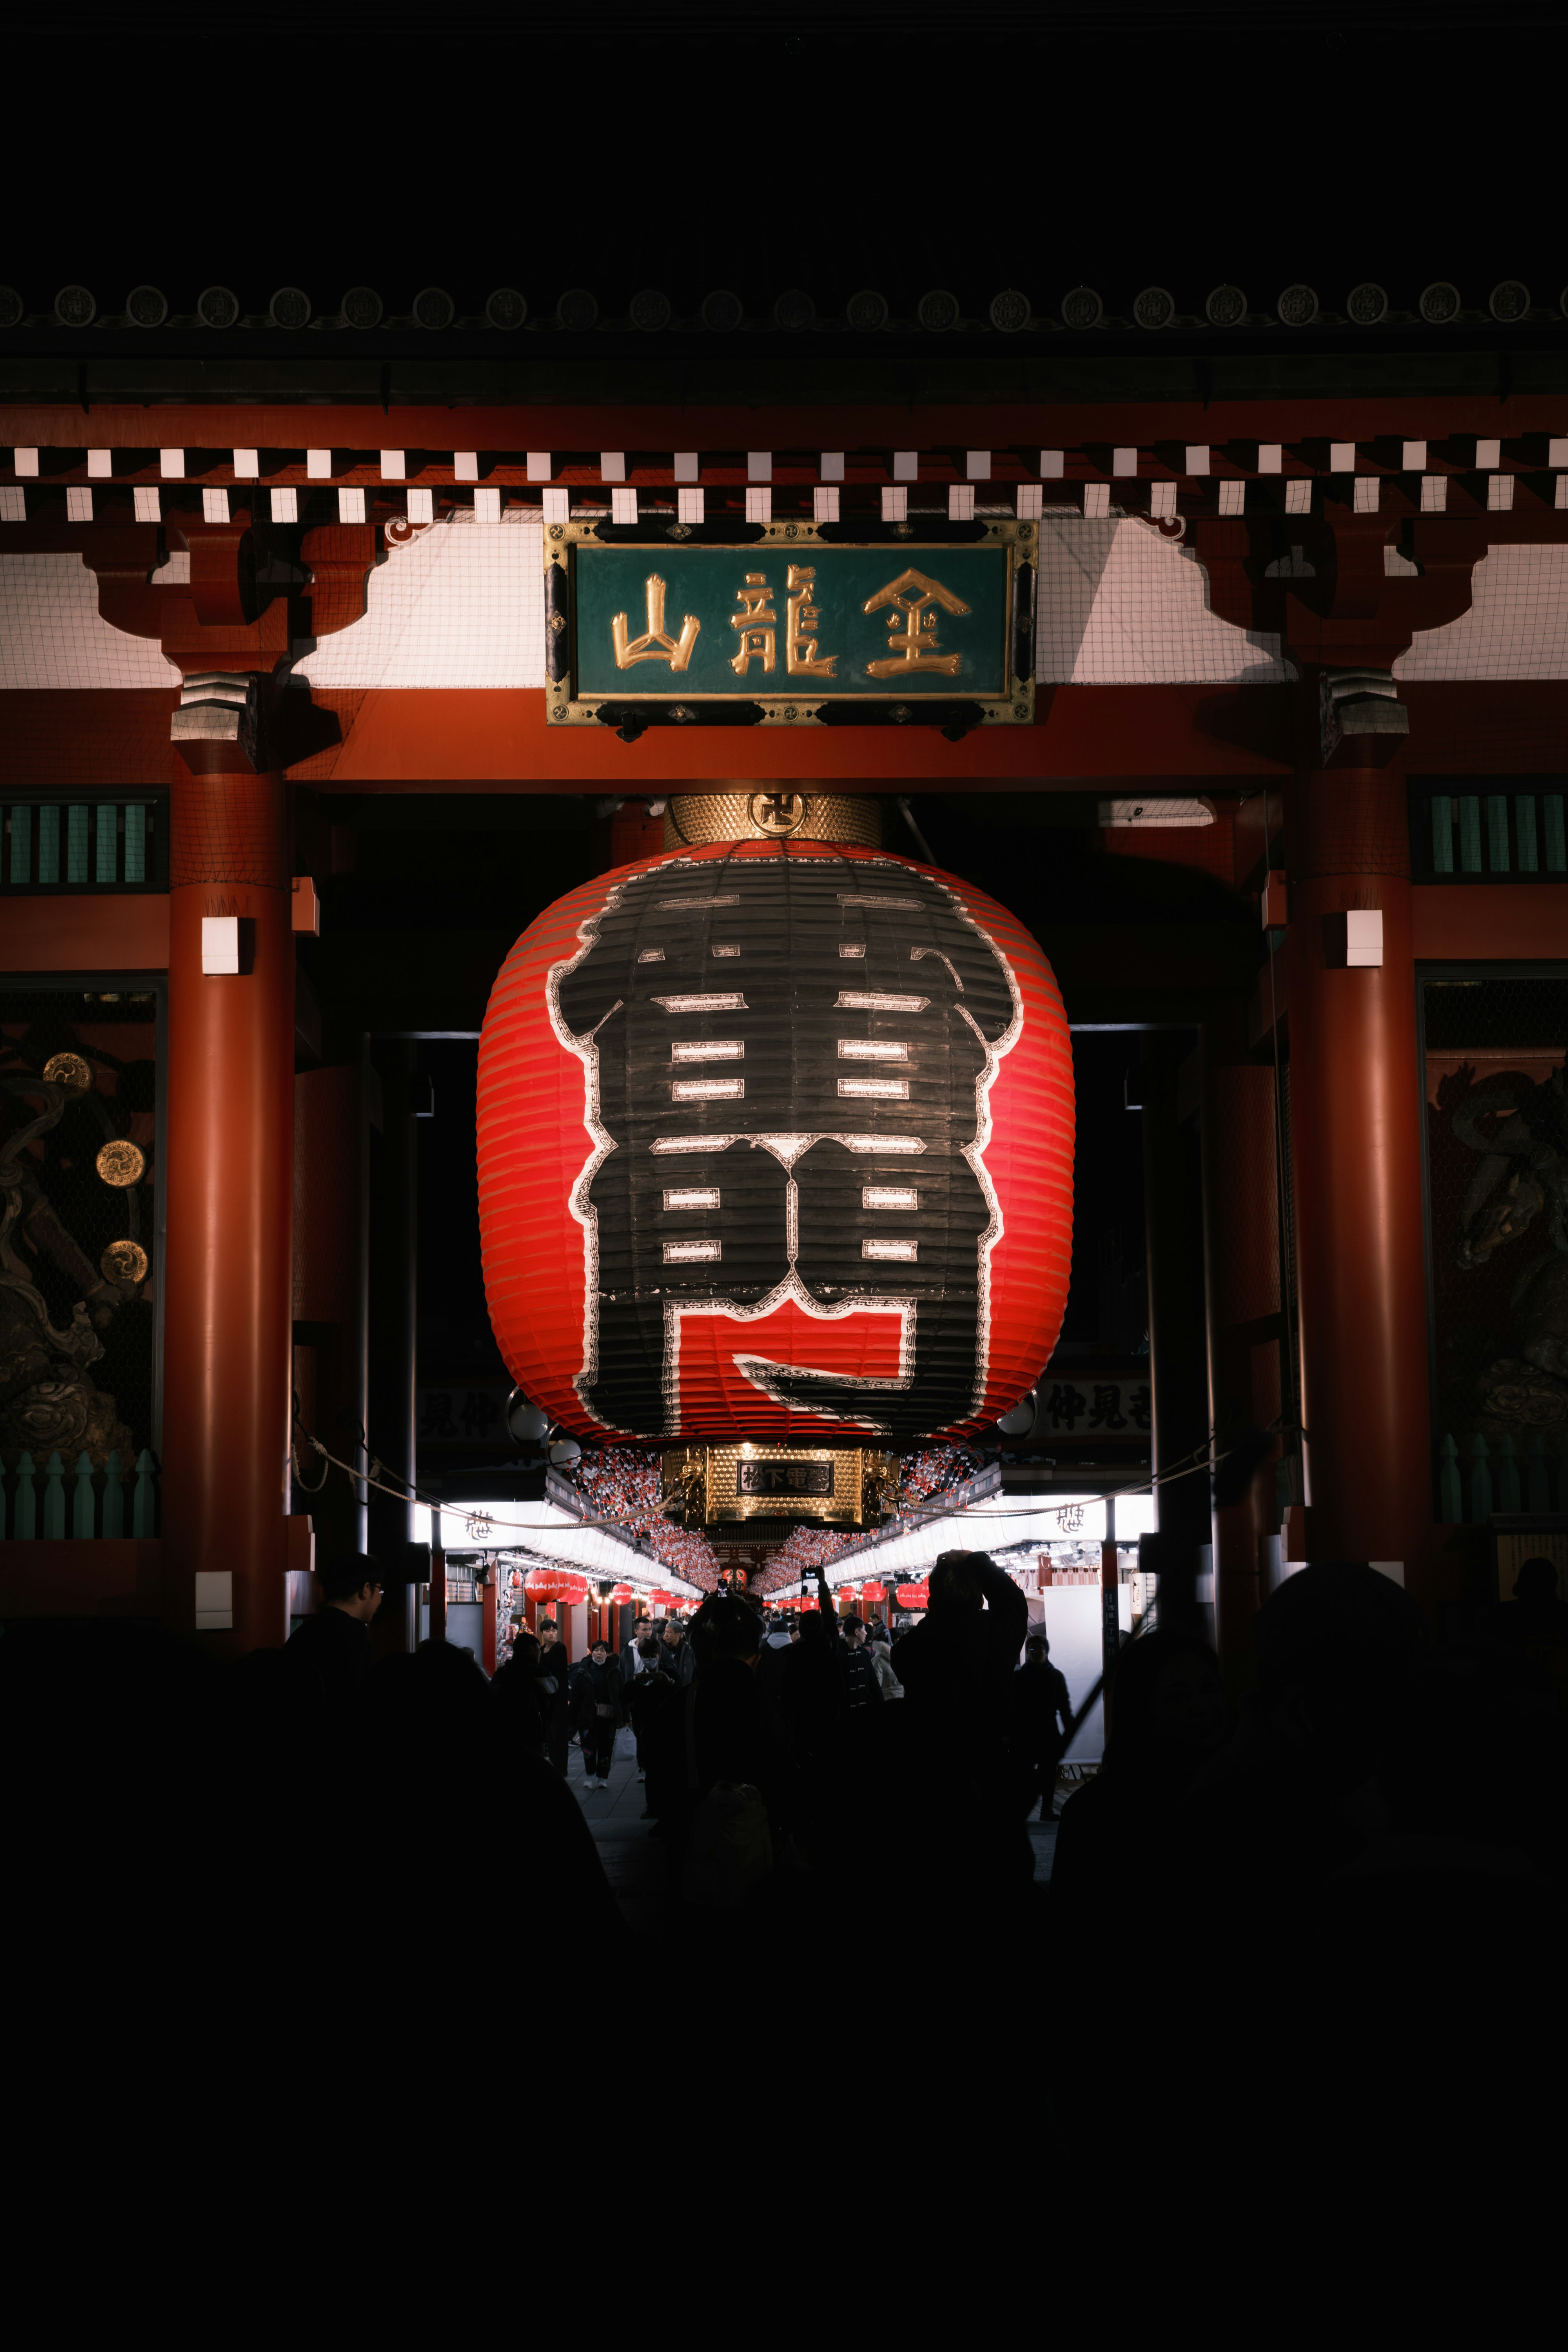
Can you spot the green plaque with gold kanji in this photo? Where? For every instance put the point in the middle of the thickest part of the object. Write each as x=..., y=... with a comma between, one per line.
x=789, y=621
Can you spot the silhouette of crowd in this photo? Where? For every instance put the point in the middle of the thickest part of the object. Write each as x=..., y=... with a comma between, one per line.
x=818, y=1778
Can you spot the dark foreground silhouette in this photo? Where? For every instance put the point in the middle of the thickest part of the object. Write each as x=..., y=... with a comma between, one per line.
x=1376, y=1806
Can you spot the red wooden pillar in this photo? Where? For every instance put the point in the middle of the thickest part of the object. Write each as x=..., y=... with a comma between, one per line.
x=229, y=1201
x=1355, y=1113
x=1242, y=1245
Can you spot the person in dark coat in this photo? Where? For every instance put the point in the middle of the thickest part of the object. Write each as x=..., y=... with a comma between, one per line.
x=631, y=1655
x=433, y=1874
x=521, y=1700
x=634, y=1661
x=1040, y=1724
x=811, y=1694
x=679, y=1659
x=334, y=1645
x=556, y=1698
x=1283, y=1806
x=956, y=1668
x=596, y=1713
x=1168, y=1716
x=1533, y=1625
x=649, y=1699
x=862, y=1689
x=719, y=1729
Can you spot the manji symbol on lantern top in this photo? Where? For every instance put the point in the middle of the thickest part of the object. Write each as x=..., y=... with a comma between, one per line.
x=789, y=622
x=775, y=1142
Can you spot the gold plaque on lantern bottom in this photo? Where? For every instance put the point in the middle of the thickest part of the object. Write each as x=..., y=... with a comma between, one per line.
x=67, y=1070
x=121, y=1163
x=123, y=1262
x=844, y=1488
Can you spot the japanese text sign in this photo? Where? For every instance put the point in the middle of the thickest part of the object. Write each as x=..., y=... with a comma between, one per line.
x=788, y=621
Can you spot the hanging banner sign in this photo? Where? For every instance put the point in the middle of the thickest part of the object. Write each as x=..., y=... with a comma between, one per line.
x=787, y=626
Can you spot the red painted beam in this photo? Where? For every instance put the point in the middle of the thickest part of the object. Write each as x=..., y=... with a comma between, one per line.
x=1501, y=922
x=658, y=425
x=495, y=740
x=111, y=931
x=92, y=736
x=414, y=740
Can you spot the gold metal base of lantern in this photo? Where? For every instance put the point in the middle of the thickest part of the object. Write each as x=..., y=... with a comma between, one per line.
x=718, y=1485
x=692, y=820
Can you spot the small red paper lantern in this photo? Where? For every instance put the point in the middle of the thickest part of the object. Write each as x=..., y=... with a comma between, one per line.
x=623, y=1593
x=548, y=1583
x=873, y=1593
x=912, y=1596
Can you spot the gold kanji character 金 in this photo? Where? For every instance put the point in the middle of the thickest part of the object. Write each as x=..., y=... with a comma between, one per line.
x=758, y=626
x=914, y=647
x=801, y=616
x=657, y=644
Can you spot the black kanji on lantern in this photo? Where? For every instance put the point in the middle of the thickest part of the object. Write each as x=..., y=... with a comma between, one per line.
x=787, y=1061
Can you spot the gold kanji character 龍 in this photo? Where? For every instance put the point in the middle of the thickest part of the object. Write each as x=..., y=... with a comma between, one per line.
x=914, y=647
x=657, y=644
x=758, y=626
x=802, y=616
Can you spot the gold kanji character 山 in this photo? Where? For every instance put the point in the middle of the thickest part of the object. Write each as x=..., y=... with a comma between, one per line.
x=758, y=626
x=914, y=647
x=657, y=644
x=800, y=650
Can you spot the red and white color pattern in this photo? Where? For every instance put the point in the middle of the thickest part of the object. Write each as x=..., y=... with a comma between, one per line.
x=776, y=1143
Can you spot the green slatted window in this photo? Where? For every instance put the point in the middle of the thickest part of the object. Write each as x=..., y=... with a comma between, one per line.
x=1442, y=833
x=83, y=846
x=1504, y=828
x=76, y=844
x=1551, y=810
x=1524, y=830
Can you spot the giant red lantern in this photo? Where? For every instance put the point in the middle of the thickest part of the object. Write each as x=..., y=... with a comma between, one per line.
x=775, y=1139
